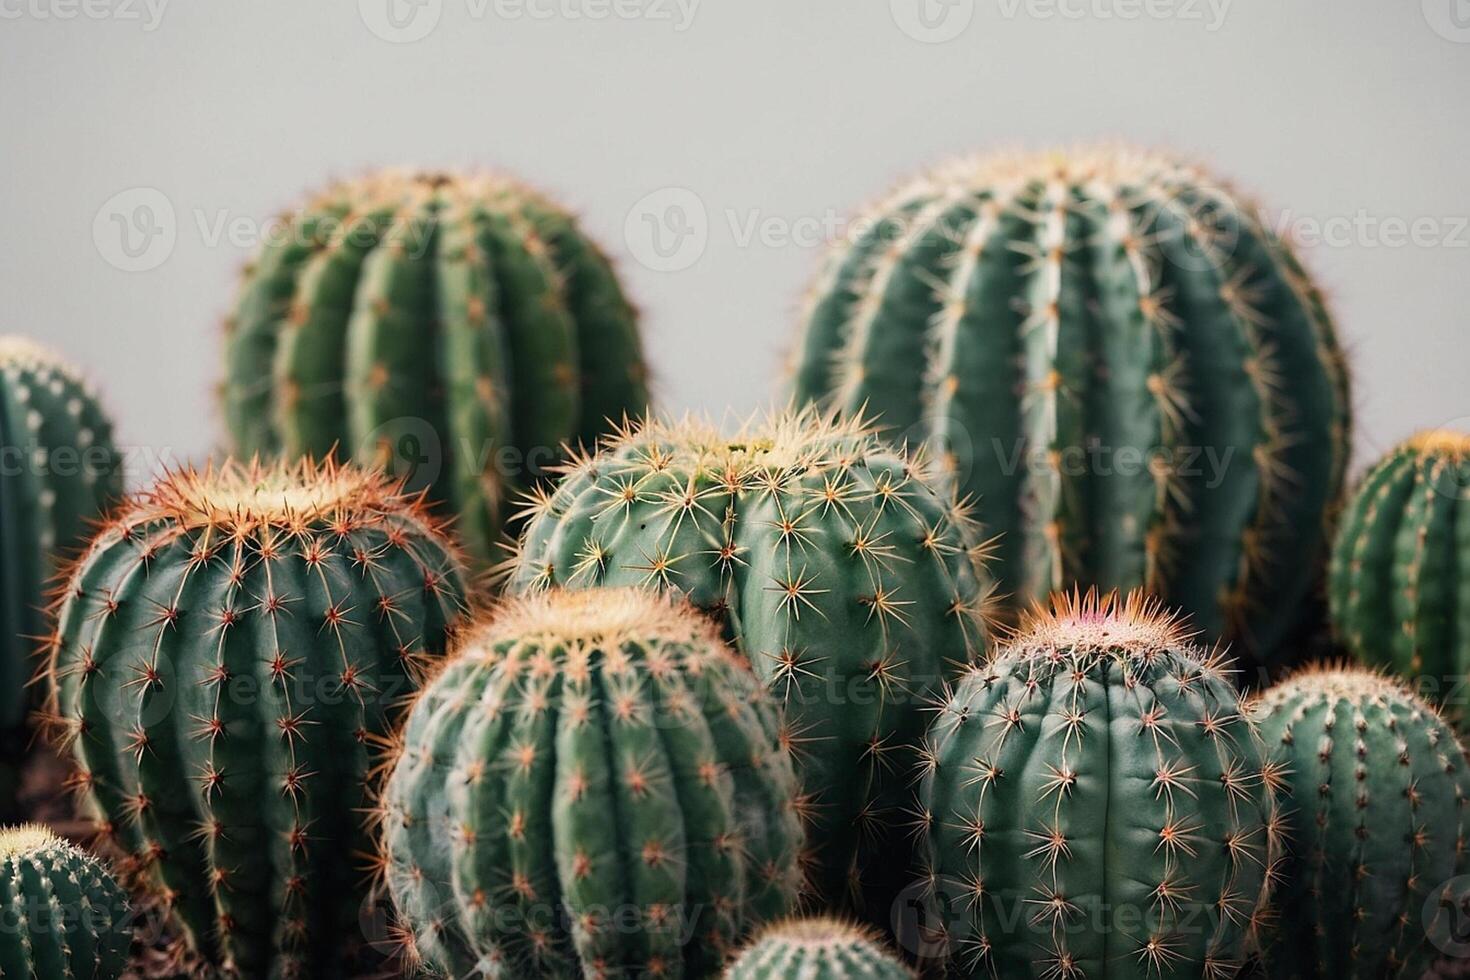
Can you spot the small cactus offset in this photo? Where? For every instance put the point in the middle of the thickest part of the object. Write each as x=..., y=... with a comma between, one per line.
x=1395, y=583
x=62, y=916
x=1098, y=804
x=455, y=330
x=817, y=949
x=226, y=654
x=1377, y=822
x=1117, y=359
x=58, y=471
x=594, y=787
x=836, y=566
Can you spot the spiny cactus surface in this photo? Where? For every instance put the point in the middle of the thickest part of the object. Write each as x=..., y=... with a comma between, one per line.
x=58, y=471
x=1399, y=596
x=594, y=787
x=1098, y=804
x=1377, y=823
x=64, y=916
x=817, y=949
x=845, y=575
x=225, y=655
x=1114, y=356
x=455, y=330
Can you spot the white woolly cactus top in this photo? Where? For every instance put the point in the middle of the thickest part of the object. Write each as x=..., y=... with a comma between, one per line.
x=408, y=187
x=1440, y=442
x=1347, y=683
x=23, y=352
x=28, y=839
x=593, y=618
x=819, y=932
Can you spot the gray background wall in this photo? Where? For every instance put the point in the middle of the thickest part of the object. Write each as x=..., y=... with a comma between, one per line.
x=768, y=118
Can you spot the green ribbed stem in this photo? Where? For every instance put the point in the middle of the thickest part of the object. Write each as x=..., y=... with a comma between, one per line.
x=58, y=471
x=1130, y=375
x=64, y=916
x=1398, y=580
x=229, y=650
x=1377, y=826
x=1097, y=804
x=817, y=949
x=836, y=567
x=455, y=330
x=594, y=786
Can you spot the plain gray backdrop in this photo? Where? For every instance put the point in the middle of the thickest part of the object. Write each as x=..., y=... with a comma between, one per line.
x=147, y=145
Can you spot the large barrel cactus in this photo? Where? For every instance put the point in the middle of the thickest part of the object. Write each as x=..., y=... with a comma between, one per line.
x=594, y=787
x=1098, y=804
x=1116, y=358
x=817, y=949
x=58, y=471
x=1398, y=599
x=64, y=916
x=227, y=653
x=455, y=330
x=836, y=566
x=1373, y=886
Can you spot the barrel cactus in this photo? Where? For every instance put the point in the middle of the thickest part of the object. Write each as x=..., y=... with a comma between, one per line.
x=64, y=914
x=227, y=652
x=455, y=330
x=1118, y=360
x=836, y=566
x=595, y=786
x=58, y=471
x=817, y=949
x=1097, y=803
x=1379, y=785
x=1397, y=599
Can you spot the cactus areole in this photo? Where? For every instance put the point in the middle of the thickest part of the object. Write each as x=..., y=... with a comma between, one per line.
x=835, y=564
x=595, y=786
x=1096, y=803
x=1397, y=595
x=226, y=654
x=64, y=915
x=454, y=330
x=817, y=949
x=58, y=471
x=1114, y=356
x=1374, y=883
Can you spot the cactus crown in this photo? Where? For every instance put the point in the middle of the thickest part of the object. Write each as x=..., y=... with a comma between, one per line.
x=821, y=932
x=1135, y=625
x=1441, y=442
x=593, y=619
x=1100, y=166
x=22, y=352
x=1346, y=682
x=26, y=839
x=409, y=188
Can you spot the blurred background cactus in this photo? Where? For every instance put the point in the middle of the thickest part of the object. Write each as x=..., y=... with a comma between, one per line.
x=455, y=330
x=850, y=579
x=595, y=786
x=1129, y=373
x=58, y=472
x=228, y=653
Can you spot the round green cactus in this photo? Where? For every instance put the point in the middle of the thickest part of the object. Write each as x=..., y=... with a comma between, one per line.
x=455, y=330
x=1097, y=803
x=227, y=652
x=61, y=913
x=836, y=566
x=58, y=471
x=1397, y=597
x=594, y=787
x=1373, y=884
x=1116, y=358
x=817, y=949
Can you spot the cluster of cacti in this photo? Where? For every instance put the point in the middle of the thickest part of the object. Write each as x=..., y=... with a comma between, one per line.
x=62, y=915
x=58, y=470
x=1373, y=885
x=1118, y=360
x=595, y=786
x=1096, y=802
x=837, y=567
x=455, y=330
x=817, y=949
x=1396, y=583
x=225, y=655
